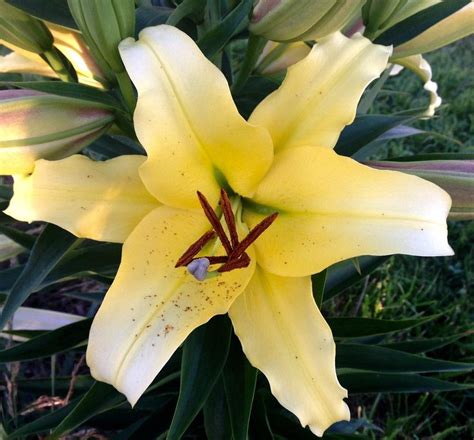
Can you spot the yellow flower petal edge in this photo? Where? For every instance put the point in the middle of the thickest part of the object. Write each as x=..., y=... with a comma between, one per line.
x=421, y=67
x=452, y=28
x=97, y=200
x=284, y=335
x=333, y=208
x=319, y=95
x=188, y=123
x=152, y=306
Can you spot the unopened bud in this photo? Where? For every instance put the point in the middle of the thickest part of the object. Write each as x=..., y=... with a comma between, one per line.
x=291, y=20
x=277, y=57
x=456, y=177
x=38, y=125
x=104, y=24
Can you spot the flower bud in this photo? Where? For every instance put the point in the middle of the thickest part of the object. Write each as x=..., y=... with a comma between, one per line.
x=38, y=125
x=456, y=177
x=277, y=57
x=379, y=15
x=70, y=43
x=104, y=24
x=287, y=20
x=22, y=30
x=452, y=28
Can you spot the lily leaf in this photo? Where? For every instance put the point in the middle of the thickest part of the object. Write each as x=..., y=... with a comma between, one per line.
x=346, y=327
x=55, y=11
x=216, y=413
x=204, y=354
x=49, y=343
x=423, y=345
x=380, y=359
x=240, y=379
x=372, y=382
x=50, y=247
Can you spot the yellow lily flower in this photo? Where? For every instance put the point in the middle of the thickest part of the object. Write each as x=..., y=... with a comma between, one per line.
x=329, y=207
x=70, y=43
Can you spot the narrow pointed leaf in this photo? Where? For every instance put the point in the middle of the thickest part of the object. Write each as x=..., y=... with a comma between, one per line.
x=49, y=249
x=55, y=11
x=215, y=40
x=22, y=238
x=100, y=397
x=423, y=345
x=371, y=382
x=216, y=413
x=240, y=379
x=343, y=275
x=346, y=327
x=380, y=359
x=204, y=355
x=49, y=343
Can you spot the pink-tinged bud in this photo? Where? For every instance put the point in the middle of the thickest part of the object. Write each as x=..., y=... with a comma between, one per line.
x=36, y=125
x=291, y=20
x=456, y=177
x=277, y=57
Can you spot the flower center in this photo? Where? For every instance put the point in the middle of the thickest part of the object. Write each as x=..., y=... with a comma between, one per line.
x=236, y=256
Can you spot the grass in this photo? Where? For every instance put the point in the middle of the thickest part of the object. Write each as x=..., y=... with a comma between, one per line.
x=409, y=286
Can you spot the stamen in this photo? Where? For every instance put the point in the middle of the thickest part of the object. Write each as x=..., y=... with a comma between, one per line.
x=198, y=268
x=194, y=249
x=229, y=218
x=253, y=235
x=239, y=263
x=214, y=221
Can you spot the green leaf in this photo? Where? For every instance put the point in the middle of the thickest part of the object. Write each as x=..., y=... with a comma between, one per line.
x=147, y=15
x=423, y=345
x=434, y=156
x=71, y=90
x=55, y=11
x=343, y=275
x=82, y=383
x=204, y=355
x=187, y=8
x=419, y=22
x=22, y=238
x=346, y=327
x=215, y=40
x=371, y=382
x=100, y=259
x=240, y=379
x=101, y=397
x=6, y=192
x=380, y=359
x=49, y=249
x=365, y=129
x=107, y=147
x=49, y=343
x=216, y=413
x=253, y=92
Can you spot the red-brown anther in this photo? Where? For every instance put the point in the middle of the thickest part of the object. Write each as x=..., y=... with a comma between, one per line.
x=242, y=261
x=194, y=249
x=253, y=235
x=216, y=260
x=229, y=218
x=214, y=221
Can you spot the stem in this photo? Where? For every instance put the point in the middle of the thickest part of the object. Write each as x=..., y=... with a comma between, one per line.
x=254, y=49
x=58, y=63
x=127, y=90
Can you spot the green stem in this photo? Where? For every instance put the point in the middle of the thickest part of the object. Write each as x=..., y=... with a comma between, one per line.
x=59, y=64
x=254, y=49
x=127, y=90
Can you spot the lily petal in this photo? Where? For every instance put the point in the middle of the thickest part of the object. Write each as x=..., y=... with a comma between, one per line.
x=152, y=306
x=284, y=335
x=319, y=95
x=188, y=123
x=333, y=208
x=97, y=200
x=418, y=65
